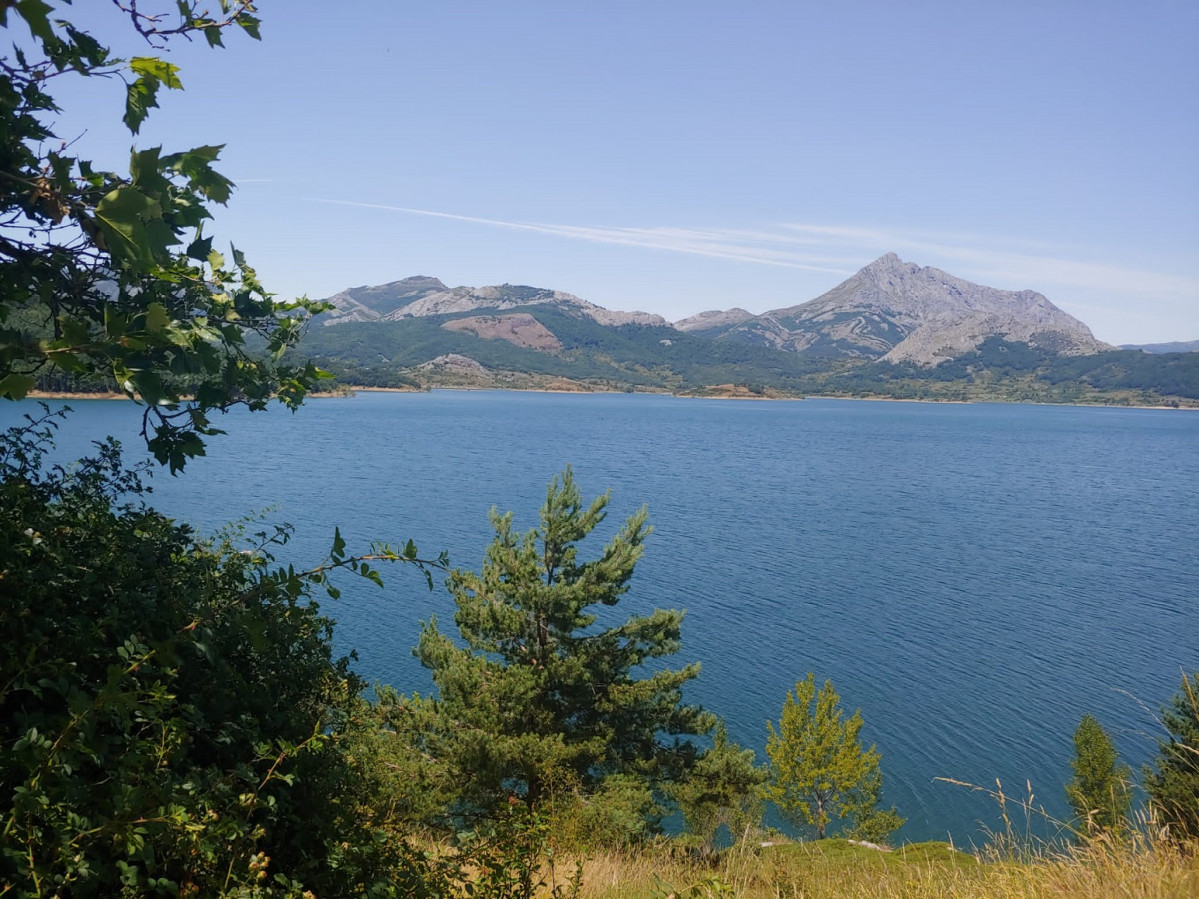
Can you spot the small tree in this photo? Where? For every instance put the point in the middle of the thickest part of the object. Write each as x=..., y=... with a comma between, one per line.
x=1173, y=782
x=819, y=771
x=1100, y=791
x=723, y=789
x=538, y=693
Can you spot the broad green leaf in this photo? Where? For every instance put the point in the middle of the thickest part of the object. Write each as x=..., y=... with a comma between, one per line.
x=157, y=317
x=36, y=15
x=250, y=24
x=15, y=386
x=196, y=165
x=152, y=67
x=74, y=332
x=123, y=215
x=145, y=170
x=142, y=93
x=199, y=249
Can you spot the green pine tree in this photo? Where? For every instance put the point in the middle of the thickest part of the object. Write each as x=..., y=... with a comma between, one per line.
x=539, y=694
x=1100, y=791
x=1173, y=783
x=819, y=771
x=723, y=790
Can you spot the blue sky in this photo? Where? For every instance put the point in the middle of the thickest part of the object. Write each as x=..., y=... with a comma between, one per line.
x=680, y=156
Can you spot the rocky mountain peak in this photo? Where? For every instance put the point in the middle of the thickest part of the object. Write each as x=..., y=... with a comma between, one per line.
x=888, y=265
x=902, y=312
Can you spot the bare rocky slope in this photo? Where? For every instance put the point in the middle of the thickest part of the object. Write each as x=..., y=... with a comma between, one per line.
x=423, y=296
x=897, y=311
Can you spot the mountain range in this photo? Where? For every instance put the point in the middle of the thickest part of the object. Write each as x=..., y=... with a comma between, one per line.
x=893, y=322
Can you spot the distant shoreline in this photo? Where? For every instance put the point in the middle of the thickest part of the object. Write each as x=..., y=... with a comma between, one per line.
x=65, y=395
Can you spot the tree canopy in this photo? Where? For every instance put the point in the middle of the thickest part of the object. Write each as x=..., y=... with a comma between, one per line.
x=819, y=771
x=108, y=274
x=1101, y=790
x=539, y=691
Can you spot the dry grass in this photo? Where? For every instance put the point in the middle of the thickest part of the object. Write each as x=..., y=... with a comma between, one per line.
x=1137, y=868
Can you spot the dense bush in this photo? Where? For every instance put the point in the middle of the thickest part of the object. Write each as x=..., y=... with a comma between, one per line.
x=172, y=718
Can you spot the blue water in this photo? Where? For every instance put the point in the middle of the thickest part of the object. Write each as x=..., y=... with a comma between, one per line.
x=973, y=577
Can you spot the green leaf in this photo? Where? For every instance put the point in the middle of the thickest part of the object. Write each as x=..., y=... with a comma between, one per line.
x=123, y=214
x=199, y=249
x=250, y=24
x=74, y=331
x=36, y=15
x=15, y=386
x=142, y=93
x=145, y=169
x=157, y=317
x=152, y=67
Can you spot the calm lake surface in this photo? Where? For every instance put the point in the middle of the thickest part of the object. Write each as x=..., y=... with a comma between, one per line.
x=974, y=577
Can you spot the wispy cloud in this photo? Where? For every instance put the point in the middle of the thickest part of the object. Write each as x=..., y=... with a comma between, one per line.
x=841, y=250
x=741, y=246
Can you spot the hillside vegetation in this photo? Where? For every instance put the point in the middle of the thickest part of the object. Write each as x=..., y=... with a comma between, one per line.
x=641, y=357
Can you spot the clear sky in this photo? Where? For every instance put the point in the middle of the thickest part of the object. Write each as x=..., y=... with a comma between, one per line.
x=680, y=156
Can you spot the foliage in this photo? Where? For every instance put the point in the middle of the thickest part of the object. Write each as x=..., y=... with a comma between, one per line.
x=1101, y=790
x=172, y=717
x=1173, y=781
x=538, y=694
x=621, y=811
x=722, y=790
x=399, y=744
x=371, y=353
x=511, y=858
x=109, y=276
x=819, y=771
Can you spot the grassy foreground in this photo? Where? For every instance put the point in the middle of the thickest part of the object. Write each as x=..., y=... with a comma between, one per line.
x=838, y=868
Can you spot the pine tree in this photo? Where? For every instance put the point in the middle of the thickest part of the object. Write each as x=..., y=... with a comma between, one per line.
x=723, y=790
x=539, y=694
x=1100, y=791
x=1173, y=783
x=819, y=770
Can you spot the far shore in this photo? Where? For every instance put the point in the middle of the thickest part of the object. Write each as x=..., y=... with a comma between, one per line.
x=350, y=391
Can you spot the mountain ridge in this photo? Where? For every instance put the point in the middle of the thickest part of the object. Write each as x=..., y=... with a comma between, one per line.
x=422, y=296
x=894, y=329
x=890, y=310
x=898, y=311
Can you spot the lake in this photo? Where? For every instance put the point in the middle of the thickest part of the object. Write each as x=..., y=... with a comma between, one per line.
x=975, y=578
